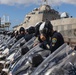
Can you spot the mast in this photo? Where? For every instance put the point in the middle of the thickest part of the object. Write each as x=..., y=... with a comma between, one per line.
x=45, y=2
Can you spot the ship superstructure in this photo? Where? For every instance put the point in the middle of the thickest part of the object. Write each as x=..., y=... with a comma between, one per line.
x=39, y=14
x=4, y=23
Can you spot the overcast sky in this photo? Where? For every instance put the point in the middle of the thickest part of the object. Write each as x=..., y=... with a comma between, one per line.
x=27, y=2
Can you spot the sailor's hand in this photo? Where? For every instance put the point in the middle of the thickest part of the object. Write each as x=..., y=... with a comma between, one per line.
x=35, y=44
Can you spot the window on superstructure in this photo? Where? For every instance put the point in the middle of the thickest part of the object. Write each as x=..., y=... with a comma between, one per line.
x=40, y=12
x=33, y=13
x=36, y=9
x=29, y=17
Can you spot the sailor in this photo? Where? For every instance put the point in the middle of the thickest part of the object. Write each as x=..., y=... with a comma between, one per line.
x=29, y=33
x=13, y=34
x=37, y=29
x=37, y=34
x=46, y=31
x=31, y=30
x=22, y=33
x=41, y=38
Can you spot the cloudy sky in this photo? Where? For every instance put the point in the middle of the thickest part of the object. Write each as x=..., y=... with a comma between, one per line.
x=27, y=2
x=17, y=9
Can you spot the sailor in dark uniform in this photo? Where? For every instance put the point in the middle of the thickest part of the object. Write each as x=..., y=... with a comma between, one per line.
x=37, y=33
x=46, y=29
x=56, y=41
x=37, y=29
x=22, y=33
x=42, y=36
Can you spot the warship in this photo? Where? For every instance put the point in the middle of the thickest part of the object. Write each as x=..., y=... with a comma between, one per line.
x=36, y=60
x=63, y=23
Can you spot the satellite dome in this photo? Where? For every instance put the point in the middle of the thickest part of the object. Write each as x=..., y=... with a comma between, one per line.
x=64, y=15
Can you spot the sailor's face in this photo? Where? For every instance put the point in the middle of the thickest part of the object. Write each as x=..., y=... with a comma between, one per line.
x=42, y=37
x=22, y=32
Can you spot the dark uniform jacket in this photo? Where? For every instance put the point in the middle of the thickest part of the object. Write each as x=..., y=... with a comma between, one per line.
x=56, y=41
x=19, y=36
